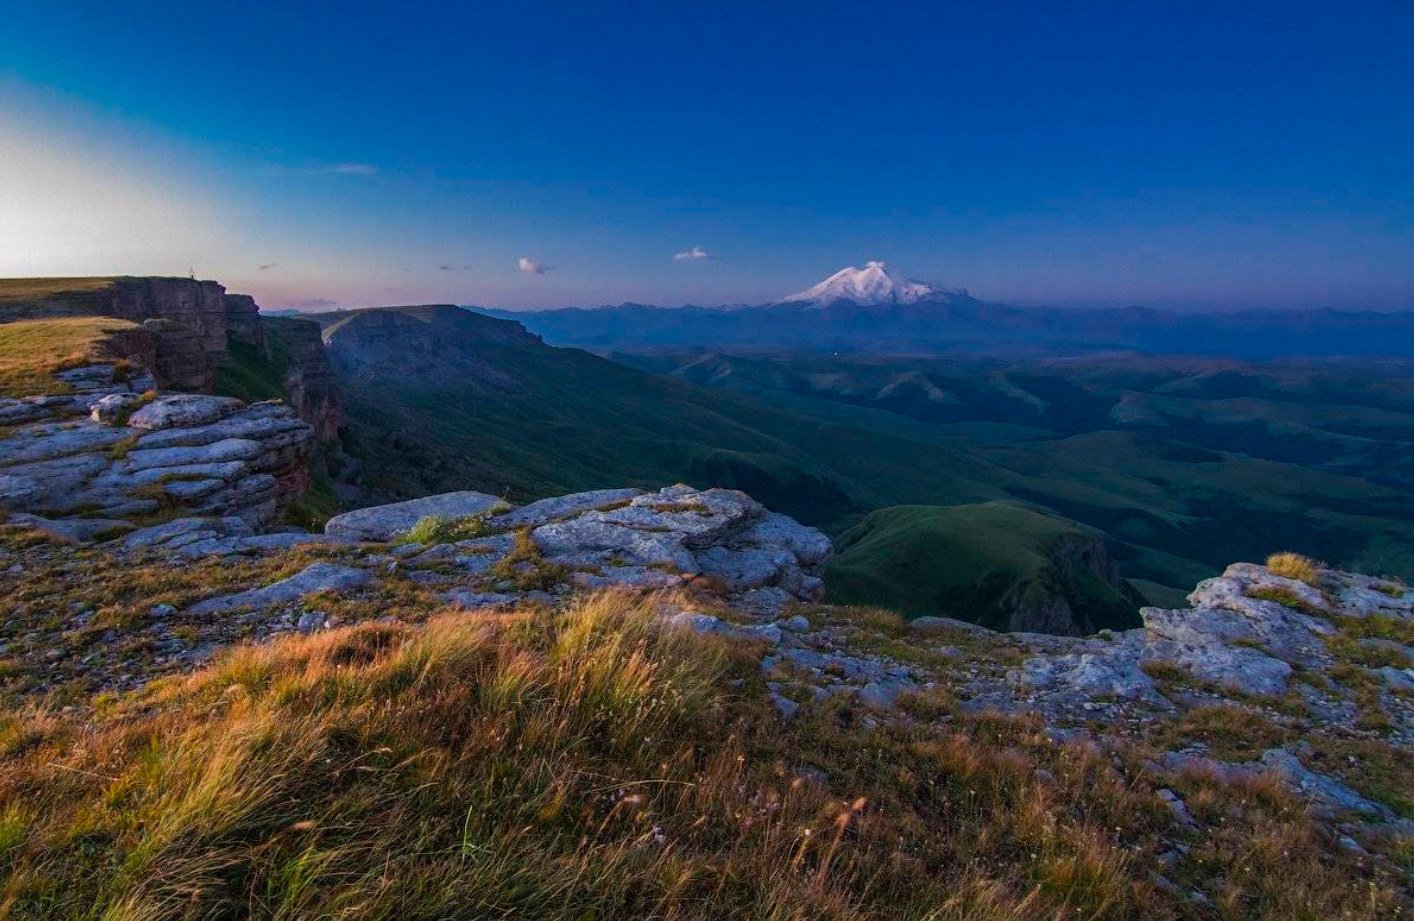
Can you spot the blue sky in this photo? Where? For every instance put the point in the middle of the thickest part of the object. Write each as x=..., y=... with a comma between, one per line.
x=1187, y=154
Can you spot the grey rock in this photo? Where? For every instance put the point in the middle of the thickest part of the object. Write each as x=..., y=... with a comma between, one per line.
x=749, y=568
x=272, y=424
x=707, y=623
x=592, y=540
x=16, y=412
x=88, y=376
x=547, y=510
x=1246, y=670
x=316, y=578
x=49, y=440
x=1319, y=787
x=1399, y=678
x=787, y=707
x=637, y=577
x=385, y=522
x=110, y=408
x=773, y=530
x=473, y=600
x=183, y=410
x=310, y=621
x=162, y=533
x=882, y=695
x=71, y=530
x=1177, y=807
x=229, y=449
x=765, y=602
x=924, y=624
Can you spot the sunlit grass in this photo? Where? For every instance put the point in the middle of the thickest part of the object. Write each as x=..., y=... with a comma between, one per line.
x=595, y=763
x=32, y=350
x=1294, y=566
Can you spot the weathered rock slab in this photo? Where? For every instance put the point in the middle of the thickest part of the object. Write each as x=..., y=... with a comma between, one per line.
x=385, y=522
x=319, y=577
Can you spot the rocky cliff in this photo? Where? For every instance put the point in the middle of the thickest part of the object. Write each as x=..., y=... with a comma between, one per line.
x=243, y=320
x=187, y=318
x=115, y=454
x=307, y=376
x=194, y=329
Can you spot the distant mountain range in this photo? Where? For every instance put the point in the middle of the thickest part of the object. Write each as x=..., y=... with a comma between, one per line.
x=873, y=310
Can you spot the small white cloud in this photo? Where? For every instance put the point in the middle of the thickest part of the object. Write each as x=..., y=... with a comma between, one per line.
x=696, y=254
x=267, y=266
x=353, y=169
x=531, y=267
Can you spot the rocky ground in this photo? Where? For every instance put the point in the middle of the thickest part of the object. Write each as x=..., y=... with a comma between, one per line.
x=140, y=539
x=1310, y=682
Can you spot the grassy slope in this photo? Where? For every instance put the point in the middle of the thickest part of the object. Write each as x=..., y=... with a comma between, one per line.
x=1187, y=464
x=32, y=350
x=958, y=560
x=251, y=375
x=591, y=764
x=551, y=421
x=75, y=291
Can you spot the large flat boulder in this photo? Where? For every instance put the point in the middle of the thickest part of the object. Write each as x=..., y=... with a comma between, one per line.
x=319, y=577
x=386, y=522
x=547, y=510
x=183, y=409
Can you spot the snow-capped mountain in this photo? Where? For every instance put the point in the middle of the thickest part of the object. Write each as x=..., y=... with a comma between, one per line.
x=873, y=284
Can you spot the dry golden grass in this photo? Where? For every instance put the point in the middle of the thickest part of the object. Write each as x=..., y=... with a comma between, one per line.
x=592, y=763
x=43, y=289
x=1294, y=566
x=32, y=350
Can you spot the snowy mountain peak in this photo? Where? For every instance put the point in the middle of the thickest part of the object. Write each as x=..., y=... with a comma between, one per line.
x=873, y=284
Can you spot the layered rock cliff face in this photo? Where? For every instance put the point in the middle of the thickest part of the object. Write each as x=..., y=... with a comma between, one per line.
x=308, y=376
x=114, y=454
x=186, y=317
x=243, y=320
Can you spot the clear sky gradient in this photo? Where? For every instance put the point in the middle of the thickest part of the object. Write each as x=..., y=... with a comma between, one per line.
x=531, y=154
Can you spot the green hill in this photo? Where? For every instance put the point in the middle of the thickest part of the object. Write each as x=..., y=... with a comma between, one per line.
x=440, y=398
x=995, y=563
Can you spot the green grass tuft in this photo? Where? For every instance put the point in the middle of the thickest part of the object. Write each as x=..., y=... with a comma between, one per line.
x=432, y=529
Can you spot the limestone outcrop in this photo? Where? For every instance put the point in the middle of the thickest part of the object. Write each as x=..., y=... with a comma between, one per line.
x=116, y=451
x=612, y=537
x=187, y=325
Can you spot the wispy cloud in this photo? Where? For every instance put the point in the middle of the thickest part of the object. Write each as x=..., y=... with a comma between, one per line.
x=531, y=267
x=445, y=268
x=696, y=254
x=267, y=266
x=344, y=168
